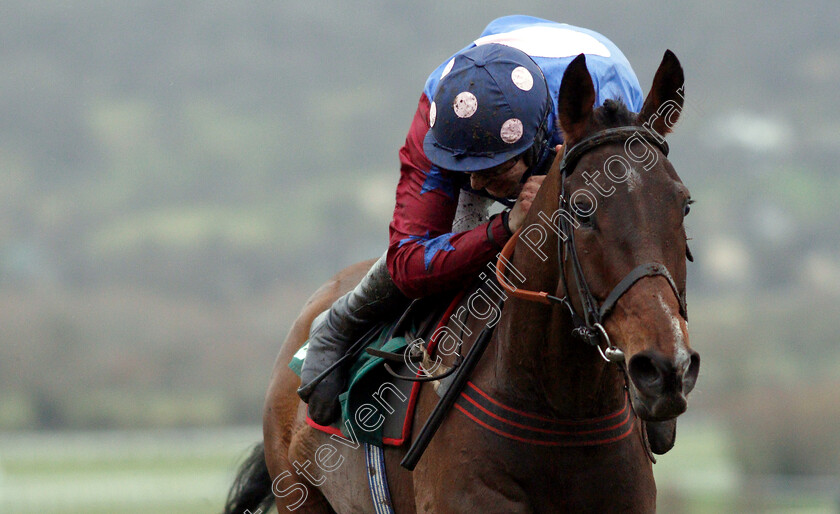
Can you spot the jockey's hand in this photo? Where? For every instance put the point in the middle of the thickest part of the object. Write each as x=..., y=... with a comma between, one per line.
x=523, y=202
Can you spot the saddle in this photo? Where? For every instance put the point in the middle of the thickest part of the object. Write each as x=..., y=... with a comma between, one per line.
x=377, y=408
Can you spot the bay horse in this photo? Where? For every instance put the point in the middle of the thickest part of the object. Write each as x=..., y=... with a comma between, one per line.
x=620, y=242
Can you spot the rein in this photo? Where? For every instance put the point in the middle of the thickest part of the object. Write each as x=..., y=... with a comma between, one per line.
x=589, y=326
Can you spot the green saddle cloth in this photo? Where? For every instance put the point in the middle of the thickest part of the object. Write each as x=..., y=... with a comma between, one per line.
x=366, y=375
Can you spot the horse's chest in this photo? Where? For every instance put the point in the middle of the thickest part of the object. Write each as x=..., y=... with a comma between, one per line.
x=526, y=480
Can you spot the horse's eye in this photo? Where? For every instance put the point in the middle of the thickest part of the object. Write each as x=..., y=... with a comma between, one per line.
x=584, y=213
x=687, y=207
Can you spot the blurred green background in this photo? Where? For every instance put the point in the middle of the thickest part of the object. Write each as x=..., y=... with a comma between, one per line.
x=178, y=177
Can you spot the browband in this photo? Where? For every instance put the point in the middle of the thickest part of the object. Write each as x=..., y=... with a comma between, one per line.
x=567, y=165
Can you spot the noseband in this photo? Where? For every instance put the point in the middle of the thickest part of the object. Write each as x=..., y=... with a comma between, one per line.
x=589, y=327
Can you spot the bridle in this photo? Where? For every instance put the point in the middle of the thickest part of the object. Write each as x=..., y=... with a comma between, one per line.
x=495, y=416
x=589, y=327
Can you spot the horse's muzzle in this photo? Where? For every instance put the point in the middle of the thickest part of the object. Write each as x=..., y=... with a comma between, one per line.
x=661, y=384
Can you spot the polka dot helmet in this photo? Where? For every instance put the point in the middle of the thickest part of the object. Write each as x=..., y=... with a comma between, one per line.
x=491, y=104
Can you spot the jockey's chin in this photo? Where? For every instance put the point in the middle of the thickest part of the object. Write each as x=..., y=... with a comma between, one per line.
x=504, y=189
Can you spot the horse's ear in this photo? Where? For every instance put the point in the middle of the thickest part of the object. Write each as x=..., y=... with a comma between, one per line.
x=577, y=96
x=664, y=103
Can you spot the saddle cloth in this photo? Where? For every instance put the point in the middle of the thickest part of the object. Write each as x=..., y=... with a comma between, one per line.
x=378, y=408
x=374, y=404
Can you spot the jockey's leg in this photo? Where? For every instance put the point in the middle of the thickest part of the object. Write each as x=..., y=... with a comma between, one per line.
x=348, y=319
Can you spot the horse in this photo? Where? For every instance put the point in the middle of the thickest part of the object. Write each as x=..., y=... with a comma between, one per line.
x=614, y=236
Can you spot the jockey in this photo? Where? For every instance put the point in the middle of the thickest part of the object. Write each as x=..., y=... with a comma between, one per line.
x=484, y=131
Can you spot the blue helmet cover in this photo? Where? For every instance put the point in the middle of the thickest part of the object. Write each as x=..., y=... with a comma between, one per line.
x=488, y=108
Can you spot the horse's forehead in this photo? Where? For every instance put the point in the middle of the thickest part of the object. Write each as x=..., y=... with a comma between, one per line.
x=634, y=179
x=604, y=170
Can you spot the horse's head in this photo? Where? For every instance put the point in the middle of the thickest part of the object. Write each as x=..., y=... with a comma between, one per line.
x=628, y=206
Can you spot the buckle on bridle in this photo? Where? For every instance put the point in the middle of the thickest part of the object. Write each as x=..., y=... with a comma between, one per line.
x=594, y=335
x=611, y=353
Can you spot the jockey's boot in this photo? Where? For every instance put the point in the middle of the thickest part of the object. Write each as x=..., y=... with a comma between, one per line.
x=349, y=318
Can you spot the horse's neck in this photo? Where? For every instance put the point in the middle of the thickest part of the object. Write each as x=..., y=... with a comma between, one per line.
x=537, y=364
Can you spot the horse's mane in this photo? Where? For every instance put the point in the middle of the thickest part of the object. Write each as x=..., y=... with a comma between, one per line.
x=614, y=114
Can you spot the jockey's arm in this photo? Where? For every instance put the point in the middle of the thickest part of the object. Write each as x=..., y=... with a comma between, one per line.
x=424, y=256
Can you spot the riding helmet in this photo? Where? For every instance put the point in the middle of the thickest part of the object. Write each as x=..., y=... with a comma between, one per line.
x=491, y=105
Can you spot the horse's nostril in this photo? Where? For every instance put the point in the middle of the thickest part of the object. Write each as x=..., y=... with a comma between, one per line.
x=645, y=374
x=690, y=378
